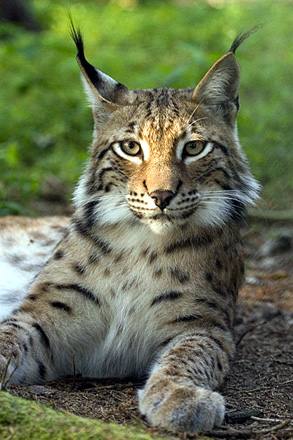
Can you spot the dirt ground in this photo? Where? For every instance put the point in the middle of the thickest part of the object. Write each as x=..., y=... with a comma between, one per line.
x=259, y=388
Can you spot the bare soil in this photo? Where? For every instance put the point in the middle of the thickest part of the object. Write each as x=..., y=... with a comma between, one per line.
x=259, y=388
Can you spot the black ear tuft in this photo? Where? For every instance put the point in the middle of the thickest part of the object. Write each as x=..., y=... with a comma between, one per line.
x=77, y=38
x=239, y=40
x=101, y=89
x=88, y=70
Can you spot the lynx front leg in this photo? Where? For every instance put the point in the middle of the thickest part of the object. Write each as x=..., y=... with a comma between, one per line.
x=178, y=394
x=47, y=336
x=25, y=351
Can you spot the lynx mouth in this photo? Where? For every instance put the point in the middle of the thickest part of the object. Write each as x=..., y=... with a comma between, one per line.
x=170, y=214
x=165, y=217
x=174, y=215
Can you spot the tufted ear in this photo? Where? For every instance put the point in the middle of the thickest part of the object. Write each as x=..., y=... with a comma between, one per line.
x=104, y=93
x=218, y=90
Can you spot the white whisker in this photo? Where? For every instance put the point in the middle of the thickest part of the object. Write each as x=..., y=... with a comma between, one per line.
x=194, y=122
x=192, y=113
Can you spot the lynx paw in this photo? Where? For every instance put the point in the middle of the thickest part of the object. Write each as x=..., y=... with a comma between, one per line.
x=180, y=408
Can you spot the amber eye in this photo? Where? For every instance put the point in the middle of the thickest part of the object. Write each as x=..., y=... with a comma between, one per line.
x=130, y=147
x=193, y=148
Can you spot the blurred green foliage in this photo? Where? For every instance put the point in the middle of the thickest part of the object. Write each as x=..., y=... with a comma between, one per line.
x=46, y=123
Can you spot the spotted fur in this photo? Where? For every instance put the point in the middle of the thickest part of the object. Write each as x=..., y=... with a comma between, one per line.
x=144, y=279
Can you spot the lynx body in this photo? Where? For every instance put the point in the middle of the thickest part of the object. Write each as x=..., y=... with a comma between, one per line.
x=144, y=278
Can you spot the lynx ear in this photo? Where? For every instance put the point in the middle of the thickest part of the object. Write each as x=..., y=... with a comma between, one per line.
x=218, y=90
x=104, y=93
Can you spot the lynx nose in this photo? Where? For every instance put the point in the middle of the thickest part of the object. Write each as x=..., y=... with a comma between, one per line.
x=162, y=198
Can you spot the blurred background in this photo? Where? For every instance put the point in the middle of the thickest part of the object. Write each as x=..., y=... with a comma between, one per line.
x=45, y=122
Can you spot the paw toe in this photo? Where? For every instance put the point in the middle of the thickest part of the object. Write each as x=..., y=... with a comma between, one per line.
x=182, y=409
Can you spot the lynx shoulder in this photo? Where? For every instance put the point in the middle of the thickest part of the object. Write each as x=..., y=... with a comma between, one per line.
x=144, y=278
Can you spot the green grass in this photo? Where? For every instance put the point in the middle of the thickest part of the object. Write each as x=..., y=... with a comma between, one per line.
x=46, y=123
x=25, y=420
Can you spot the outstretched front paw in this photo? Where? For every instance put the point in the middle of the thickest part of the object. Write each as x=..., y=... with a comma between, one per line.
x=181, y=408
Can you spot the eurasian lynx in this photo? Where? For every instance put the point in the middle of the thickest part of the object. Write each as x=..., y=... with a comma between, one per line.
x=145, y=277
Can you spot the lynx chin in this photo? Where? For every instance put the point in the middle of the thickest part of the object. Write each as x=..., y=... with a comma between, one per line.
x=143, y=279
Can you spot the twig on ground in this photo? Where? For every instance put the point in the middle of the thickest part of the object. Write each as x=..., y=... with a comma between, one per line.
x=4, y=374
x=252, y=390
x=245, y=433
x=262, y=419
x=274, y=428
x=286, y=382
x=4, y=379
x=74, y=370
x=12, y=373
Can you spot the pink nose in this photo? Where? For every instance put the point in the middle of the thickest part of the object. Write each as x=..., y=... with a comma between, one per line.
x=162, y=198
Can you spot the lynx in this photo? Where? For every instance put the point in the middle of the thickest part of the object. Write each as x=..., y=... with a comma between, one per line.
x=143, y=280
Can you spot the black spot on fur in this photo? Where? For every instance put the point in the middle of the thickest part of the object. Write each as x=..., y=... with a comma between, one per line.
x=196, y=242
x=105, y=248
x=131, y=127
x=158, y=273
x=218, y=342
x=179, y=275
x=166, y=296
x=58, y=255
x=79, y=268
x=222, y=148
x=211, y=304
x=220, y=291
x=188, y=318
x=213, y=171
x=25, y=347
x=80, y=289
x=94, y=258
x=103, y=172
x=153, y=256
x=41, y=370
x=220, y=366
x=217, y=324
x=89, y=213
x=219, y=265
x=62, y=306
x=12, y=324
x=81, y=229
x=145, y=252
x=166, y=342
x=208, y=276
x=103, y=152
x=43, y=336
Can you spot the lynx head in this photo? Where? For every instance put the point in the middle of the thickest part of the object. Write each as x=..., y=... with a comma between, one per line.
x=165, y=157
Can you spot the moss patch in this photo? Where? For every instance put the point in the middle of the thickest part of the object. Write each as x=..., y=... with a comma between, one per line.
x=22, y=420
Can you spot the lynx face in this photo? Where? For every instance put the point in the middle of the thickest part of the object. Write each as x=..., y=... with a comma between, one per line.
x=166, y=157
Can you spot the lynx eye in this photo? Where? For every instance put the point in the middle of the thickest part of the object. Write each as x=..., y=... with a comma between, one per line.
x=193, y=148
x=130, y=147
